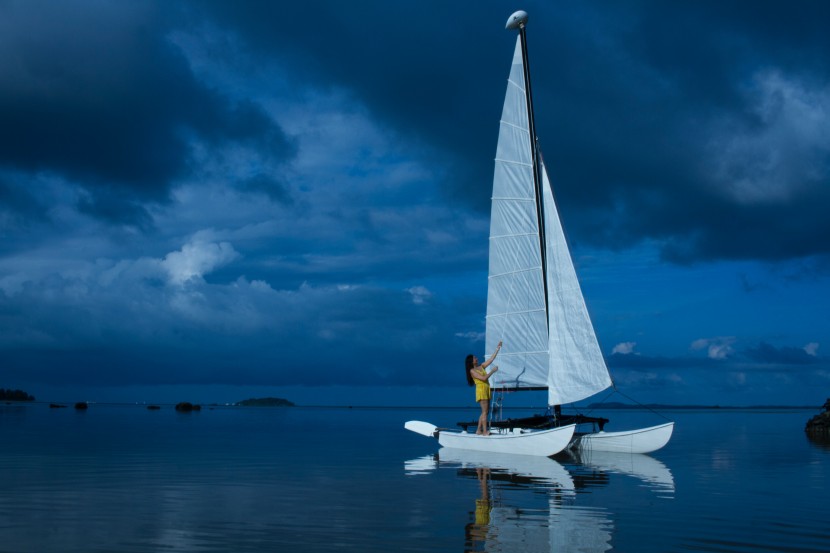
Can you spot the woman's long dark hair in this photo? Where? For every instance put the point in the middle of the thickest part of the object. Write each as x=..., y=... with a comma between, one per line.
x=469, y=365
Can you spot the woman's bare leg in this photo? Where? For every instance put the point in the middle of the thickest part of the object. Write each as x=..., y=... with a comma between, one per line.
x=482, y=419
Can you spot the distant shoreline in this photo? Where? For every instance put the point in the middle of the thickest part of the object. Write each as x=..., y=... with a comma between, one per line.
x=669, y=406
x=591, y=407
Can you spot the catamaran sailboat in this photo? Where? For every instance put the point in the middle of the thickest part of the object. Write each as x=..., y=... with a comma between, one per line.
x=534, y=302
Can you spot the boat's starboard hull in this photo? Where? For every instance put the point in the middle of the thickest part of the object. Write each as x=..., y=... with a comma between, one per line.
x=642, y=440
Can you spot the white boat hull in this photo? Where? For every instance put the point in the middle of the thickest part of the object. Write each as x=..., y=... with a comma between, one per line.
x=542, y=443
x=642, y=440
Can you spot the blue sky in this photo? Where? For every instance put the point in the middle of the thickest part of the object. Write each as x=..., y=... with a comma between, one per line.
x=211, y=201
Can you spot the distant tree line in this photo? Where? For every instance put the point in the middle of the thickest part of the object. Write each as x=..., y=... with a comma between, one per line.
x=266, y=402
x=15, y=395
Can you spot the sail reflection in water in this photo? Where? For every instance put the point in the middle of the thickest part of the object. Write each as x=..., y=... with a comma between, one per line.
x=545, y=515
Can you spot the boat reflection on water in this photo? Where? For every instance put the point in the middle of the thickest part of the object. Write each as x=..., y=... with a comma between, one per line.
x=505, y=517
x=516, y=469
x=652, y=472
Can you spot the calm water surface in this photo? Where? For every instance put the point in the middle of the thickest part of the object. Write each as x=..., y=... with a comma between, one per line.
x=122, y=478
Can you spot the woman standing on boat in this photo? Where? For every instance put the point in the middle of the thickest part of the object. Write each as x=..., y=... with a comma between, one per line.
x=478, y=376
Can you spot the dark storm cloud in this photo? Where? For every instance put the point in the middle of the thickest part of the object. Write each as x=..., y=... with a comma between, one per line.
x=680, y=123
x=16, y=201
x=426, y=69
x=114, y=206
x=97, y=94
x=674, y=123
x=266, y=184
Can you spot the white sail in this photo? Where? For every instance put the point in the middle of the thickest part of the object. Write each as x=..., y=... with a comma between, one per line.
x=577, y=367
x=515, y=296
x=549, y=345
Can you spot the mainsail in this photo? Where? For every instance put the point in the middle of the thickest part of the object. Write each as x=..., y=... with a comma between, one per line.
x=538, y=312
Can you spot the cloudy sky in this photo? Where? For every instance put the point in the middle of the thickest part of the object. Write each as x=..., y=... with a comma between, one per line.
x=215, y=200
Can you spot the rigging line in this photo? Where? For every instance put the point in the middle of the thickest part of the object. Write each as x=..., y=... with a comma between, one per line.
x=614, y=391
x=519, y=376
x=496, y=400
x=643, y=406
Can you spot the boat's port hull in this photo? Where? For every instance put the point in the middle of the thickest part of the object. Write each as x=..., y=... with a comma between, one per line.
x=642, y=440
x=518, y=442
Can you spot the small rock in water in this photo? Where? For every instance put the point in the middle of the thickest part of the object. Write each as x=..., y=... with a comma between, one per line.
x=81, y=405
x=186, y=406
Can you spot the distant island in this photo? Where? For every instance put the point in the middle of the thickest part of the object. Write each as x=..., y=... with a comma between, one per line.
x=15, y=395
x=265, y=402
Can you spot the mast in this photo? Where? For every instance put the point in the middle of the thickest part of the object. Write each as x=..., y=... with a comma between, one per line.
x=518, y=21
x=555, y=342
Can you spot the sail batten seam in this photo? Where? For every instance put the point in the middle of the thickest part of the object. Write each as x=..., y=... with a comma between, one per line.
x=517, y=85
x=511, y=162
x=516, y=272
x=509, y=199
x=518, y=353
x=515, y=126
x=508, y=313
x=512, y=235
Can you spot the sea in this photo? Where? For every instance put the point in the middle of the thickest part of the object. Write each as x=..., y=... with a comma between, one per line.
x=123, y=478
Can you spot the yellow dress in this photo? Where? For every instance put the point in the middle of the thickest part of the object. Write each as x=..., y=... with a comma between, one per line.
x=483, y=512
x=482, y=386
